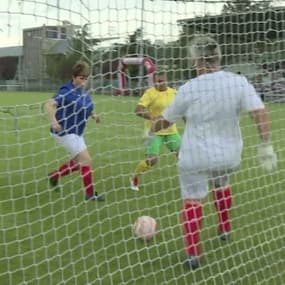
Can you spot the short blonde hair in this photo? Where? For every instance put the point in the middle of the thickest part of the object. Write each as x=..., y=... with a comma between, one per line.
x=206, y=49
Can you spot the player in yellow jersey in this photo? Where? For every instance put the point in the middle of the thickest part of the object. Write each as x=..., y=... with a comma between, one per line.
x=151, y=105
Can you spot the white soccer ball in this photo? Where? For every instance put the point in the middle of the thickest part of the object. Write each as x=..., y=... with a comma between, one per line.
x=145, y=228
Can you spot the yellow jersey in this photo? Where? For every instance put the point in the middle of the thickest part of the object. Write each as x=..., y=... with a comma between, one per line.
x=155, y=102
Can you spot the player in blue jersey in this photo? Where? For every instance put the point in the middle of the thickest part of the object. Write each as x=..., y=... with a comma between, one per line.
x=68, y=112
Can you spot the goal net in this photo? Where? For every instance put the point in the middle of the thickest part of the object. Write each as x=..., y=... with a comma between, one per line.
x=51, y=235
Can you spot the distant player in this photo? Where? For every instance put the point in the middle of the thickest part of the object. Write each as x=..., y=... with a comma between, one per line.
x=152, y=104
x=212, y=144
x=68, y=112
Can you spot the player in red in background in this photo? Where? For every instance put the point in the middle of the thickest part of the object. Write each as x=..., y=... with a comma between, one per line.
x=152, y=104
x=212, y=144
x=68, y=112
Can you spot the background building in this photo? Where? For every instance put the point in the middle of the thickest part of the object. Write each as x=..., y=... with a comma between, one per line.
x=24, y=67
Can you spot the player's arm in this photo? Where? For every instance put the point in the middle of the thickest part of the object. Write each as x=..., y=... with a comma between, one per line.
x=143, y=112
x=50, y=108
x=251, y=102
x=160, y=123
x=261, y=119
x=265, y=153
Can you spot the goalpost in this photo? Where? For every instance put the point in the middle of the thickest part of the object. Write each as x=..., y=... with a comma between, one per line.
x=146, y=62
x=52, y=236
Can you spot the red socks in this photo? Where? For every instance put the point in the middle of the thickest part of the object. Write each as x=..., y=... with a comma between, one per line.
x=136, y=181
x=86, y=174
x=65, y=169
x=192, y=219
x=192, y=222
x=223, y=203
x=85, y=171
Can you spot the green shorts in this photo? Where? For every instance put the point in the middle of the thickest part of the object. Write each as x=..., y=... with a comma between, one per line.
x=172, y=142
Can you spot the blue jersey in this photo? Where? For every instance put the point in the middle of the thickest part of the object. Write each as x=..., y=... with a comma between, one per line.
x=74, y=107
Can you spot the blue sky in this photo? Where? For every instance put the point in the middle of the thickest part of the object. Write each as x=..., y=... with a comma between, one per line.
x=107, y=18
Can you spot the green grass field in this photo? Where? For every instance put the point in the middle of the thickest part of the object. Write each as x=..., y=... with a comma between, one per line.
x=50, y=237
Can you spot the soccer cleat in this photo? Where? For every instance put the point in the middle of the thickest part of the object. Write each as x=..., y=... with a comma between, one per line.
x=194, y=262
x=95, y=197
x=134, y=186
x=53, y=182
x=224, y=236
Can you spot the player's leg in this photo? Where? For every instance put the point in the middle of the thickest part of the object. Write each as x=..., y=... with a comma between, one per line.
x=67, y=142
x=194, y=188
x=173, y=143
x=223, y=202
x=152, y=153
x=76, y=147
x=84, y=160
x=63, y=170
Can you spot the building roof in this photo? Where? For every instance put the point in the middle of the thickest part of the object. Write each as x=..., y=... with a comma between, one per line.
x=14, y=51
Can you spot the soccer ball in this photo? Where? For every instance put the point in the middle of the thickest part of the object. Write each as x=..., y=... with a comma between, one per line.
x=145, y=228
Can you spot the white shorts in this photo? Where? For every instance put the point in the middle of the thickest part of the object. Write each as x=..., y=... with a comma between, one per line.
x=194, y=185
x=72, y=143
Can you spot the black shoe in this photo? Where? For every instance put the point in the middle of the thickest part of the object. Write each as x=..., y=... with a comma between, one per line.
x=53, y=182
x=194, y=262
x=95, y=197
x=224, y=236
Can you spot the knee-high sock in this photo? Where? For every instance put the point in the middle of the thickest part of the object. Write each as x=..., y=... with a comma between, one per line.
x=192, y=222
x=223, y=203
x=86, y=174
x=65, y=169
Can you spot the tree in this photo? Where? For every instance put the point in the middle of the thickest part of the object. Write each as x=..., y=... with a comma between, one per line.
x=80, y=48
x=235, y=6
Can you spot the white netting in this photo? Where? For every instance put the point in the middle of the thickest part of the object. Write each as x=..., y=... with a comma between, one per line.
x=54, y=237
